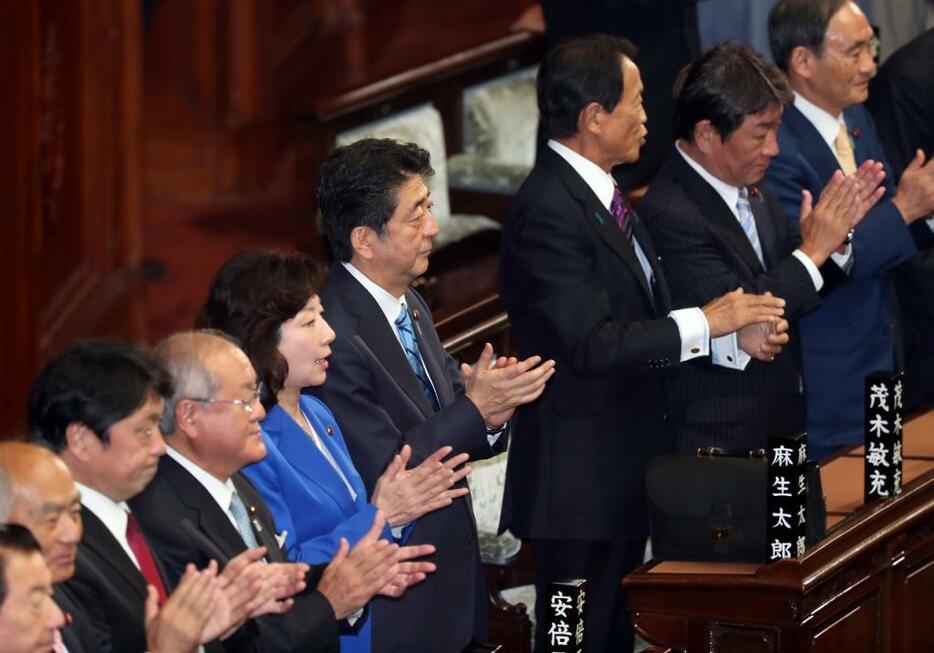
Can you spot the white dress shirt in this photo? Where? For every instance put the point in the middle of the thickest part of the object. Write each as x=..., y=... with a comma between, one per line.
x=111, y=513
x=691, y=322
x=220, y=491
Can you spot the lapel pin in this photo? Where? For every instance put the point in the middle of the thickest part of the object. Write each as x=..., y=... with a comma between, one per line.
x=857, y=132
x=415, y=313
x=599, y=217
x=754, y=191
x=329, y=430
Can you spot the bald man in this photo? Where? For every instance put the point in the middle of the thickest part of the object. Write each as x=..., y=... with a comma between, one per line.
x=41, y=495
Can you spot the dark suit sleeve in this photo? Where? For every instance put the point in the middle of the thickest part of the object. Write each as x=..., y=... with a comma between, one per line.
x=698, y=271
x=358, y=398
x=552, y=277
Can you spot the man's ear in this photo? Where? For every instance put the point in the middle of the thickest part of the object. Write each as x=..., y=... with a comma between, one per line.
x=590, y=118
x=185, y=416
x=80, y=440
x=705, y=135
x=361, y=239
x=801, y=62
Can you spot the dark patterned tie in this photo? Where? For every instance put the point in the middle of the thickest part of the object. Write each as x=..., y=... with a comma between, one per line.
x=140, y=549
x=410, y=345
x=621, y=212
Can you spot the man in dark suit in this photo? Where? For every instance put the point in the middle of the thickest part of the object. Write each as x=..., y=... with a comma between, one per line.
x=901, y=100
x=391, y=383
x=826, y=48
x=716, y=227
x=98, y=404
x=666, y=35
x=29, y=618
x=581, y=282
x=199, y=507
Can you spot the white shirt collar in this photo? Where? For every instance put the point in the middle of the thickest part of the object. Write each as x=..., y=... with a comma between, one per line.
x=827, y=126
x=729, y=193
x=111, y=513
x=596, y=178
x=220, y=491
x=389, y=305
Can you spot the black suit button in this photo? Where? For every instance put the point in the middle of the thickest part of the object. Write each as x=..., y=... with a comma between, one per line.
x=664, y=417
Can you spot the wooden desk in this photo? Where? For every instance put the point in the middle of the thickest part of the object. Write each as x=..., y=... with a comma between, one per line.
x=868, y=586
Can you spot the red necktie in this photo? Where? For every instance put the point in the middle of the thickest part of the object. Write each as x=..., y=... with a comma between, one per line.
x=134, y=537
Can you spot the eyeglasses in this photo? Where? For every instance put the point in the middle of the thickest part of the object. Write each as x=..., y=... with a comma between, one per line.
x=245, y=404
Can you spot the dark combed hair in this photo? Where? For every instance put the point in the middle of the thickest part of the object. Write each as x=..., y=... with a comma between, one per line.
x=794, y=23
x=251, y=296
x=14, y=539
x=577, y=72
x=358, y=186
x=92, y=382
x=727, y=83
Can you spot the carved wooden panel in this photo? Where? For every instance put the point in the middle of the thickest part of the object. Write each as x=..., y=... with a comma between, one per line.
x=914, y=618
x=854, y=631
x=72, y=143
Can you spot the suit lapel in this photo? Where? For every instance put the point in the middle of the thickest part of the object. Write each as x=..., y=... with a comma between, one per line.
x=296, y=446
x=212, y=521
x=430, y=353
x=599, y=218
x=855, y=126
x=264, y=532
x=717, y=214
x=813, y=148
x=379, y=336
x=99, y=540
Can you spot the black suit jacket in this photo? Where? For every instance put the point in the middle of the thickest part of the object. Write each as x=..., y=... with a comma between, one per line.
x=575, y=292
x=78, y=635
x=379, y=405
x=175, y=495
x=705, y=253
x=110, y=589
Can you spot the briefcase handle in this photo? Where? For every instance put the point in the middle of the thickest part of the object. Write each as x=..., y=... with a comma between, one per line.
x=722, y=452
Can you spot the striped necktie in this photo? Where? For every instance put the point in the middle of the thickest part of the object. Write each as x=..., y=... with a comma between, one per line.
x=410, y=345
x=748, y=222
x=844, y=148
x=239, y=513
x=621, y=212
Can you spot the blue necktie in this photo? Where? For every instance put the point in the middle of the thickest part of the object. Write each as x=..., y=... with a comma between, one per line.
x=410, y=345
x=238, y=510
x=748, y=222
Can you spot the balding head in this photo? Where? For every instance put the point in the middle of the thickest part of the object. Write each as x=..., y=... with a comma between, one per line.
x=213, y=416
x=44, y=500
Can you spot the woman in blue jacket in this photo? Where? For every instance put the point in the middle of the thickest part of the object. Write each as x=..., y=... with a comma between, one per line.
x=268, y=302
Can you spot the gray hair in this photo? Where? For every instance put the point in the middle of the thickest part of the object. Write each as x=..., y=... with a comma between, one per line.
x=184, y=355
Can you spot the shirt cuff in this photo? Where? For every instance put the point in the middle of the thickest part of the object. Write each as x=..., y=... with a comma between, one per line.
x=811, y=268
x=930, y=222
x=493, y=435
x=397, y=530
x=694, y=331
x=845, y=260
x=725, y=352
x=352, y=619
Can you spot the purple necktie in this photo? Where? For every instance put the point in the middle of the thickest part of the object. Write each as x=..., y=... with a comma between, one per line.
x=621, y=213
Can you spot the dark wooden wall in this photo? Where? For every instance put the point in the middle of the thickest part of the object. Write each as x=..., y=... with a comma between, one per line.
x=70, y=147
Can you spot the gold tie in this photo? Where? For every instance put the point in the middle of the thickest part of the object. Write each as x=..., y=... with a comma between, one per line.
x=845, y=151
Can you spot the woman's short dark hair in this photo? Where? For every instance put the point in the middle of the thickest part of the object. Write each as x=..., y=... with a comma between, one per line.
x=14, y=539
x=577, y=72
x=727, y=83
x=250, y=298
x=799, y=22
x=358, y=186
x=92, y=382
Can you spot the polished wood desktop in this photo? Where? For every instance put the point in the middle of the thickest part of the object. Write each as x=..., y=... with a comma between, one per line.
x=867, y=586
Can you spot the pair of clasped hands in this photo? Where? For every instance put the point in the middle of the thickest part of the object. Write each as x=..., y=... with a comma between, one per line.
x=826, y=228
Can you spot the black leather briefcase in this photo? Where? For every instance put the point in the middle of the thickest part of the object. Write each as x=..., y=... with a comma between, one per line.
x=713, y=507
